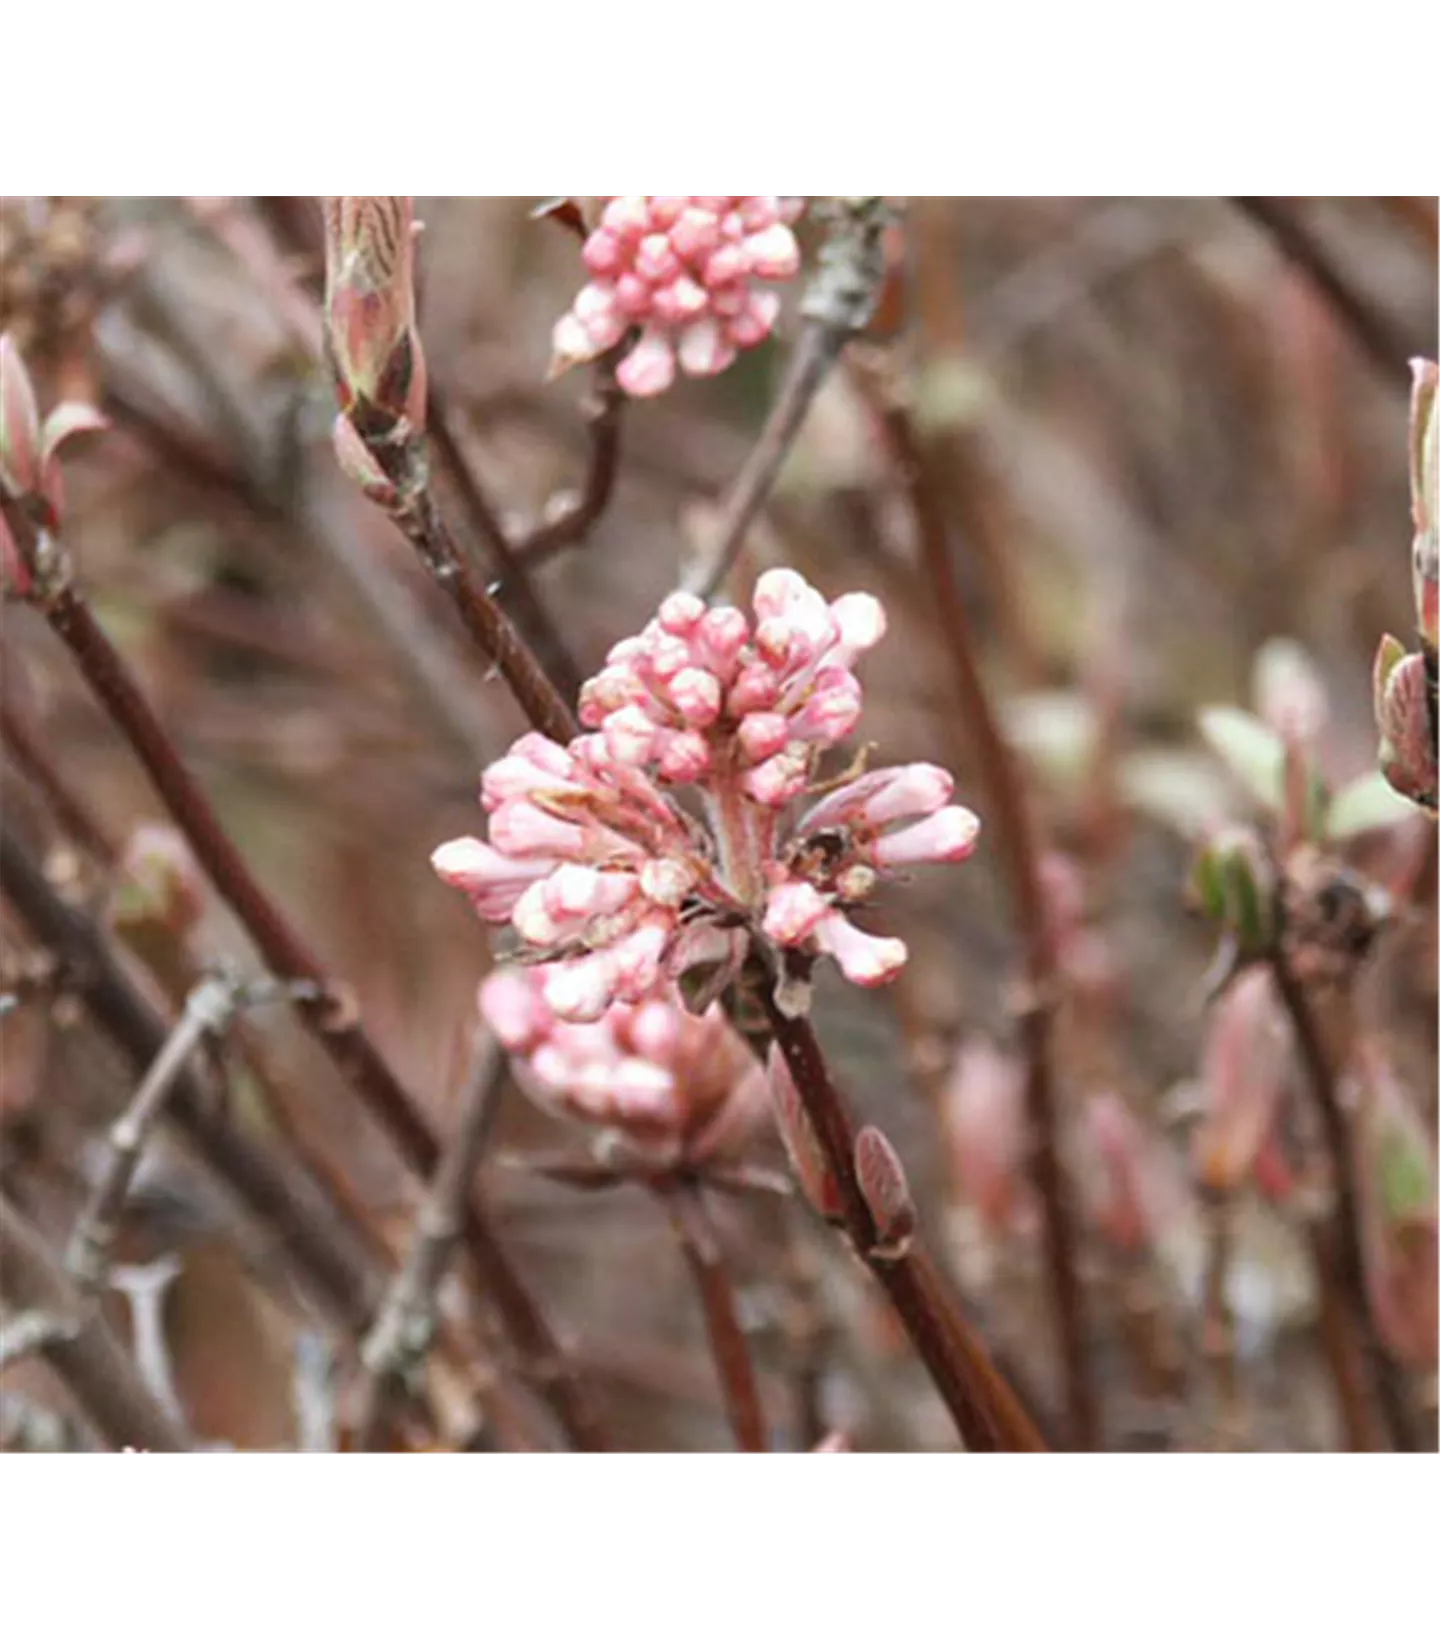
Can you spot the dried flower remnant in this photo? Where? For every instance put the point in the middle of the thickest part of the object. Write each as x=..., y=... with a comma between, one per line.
x=605, y=876
x=674, y=1086
x=682, y=271
x=982, y=1115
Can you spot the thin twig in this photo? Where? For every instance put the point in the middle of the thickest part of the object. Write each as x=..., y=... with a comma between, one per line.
x=485, y=622
x=988, y=1414
x=510, y=567
x=1337, y=1338
x=1376, y=333
x=1017, y=843
x=700, y=1245
x=90, y=1360
x=328, y=1016
x=1385, y=1377
x=208, y=1012
x=839, y=305
x=324, y=1253
x=71, y=814
x=405, y=1325
x=574, y=525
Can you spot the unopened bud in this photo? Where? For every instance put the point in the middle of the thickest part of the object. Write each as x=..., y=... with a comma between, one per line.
x=1236, y=888
x=19, y=425
x=361, y=467
x=881, y=1178
x=157, y=900
x=1404, y=710
x=374, y=346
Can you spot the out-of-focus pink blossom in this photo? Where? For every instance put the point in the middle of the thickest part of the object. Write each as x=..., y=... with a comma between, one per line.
x=682, y=270
x=608, y=880
x=1131, y=1192
x=674, y=1085
x=983, y=1118
x=1245, y=1080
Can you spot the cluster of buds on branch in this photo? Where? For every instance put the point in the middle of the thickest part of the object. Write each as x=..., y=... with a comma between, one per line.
x=674, y=1087
x=609, y=879
x=1405, y=682
x=30, y=479
x=680, y=273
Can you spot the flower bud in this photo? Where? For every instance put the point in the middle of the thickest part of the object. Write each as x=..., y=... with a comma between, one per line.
x=375, y=352
x=881, y=1178
x=1404, y=710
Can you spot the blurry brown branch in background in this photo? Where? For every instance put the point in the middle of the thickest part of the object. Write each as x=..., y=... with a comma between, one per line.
x=1347, y=1245
x=328, y=1260
x=1014, y=833
x=405, y=1325
x=1376, y=333
x=838, y=305
x=77, y=821
x=80, y=1346
x=573, y=525
x=700, y=1245
x=326, y=1013
x=1419, y=215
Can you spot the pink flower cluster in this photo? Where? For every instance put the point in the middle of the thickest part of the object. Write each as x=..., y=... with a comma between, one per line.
x=672, y=1083
x=682, y=269
x=604, y=875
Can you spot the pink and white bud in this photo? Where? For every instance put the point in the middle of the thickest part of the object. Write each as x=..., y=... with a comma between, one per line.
x=514, y=1010
x=490, y=880
x=649, y=369
x=946, y=838
x=793, y=912
x=864, y=959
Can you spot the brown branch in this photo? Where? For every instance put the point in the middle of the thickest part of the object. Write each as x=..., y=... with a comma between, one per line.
x=330, y=1020
x=574, y=526
x=327, y=1258
x=71, y=814
x=1385, y=1378
x=1418, y=214
x=815, y=354
x=1372, y=329
x=988, y=1414
x=1017, y=843
x=700, y=1244
x=1338, y=1340
x=207, y=1012
x=839, y=304
x=82, y=1349
x=484, y=621
x=511, y=563
x=405, y=1325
